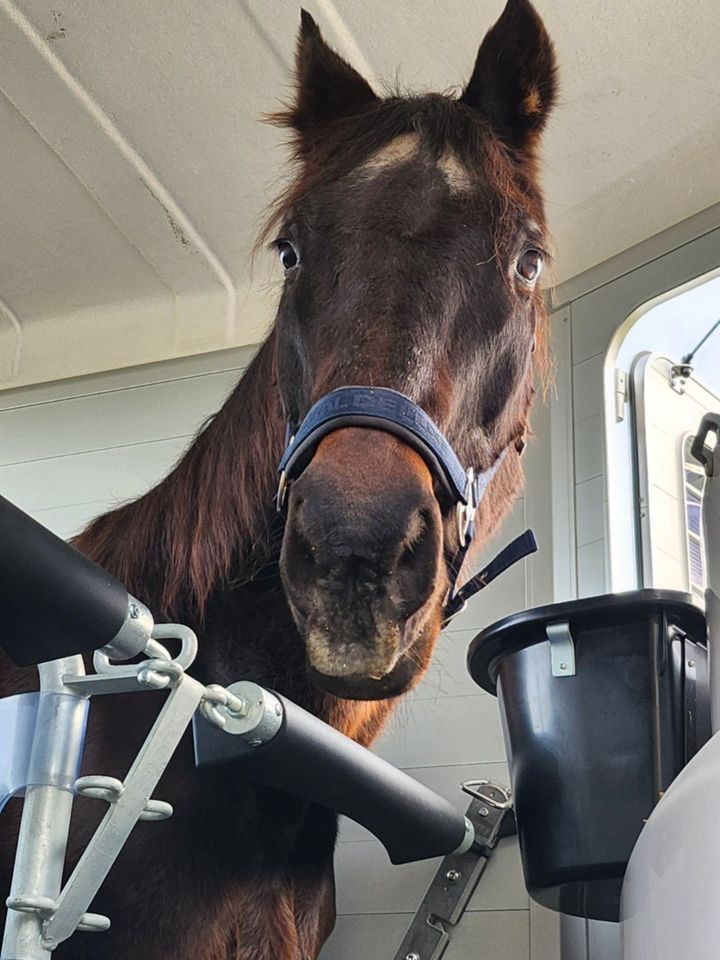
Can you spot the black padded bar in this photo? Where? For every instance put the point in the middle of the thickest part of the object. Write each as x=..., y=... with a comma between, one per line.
x=54, y=602
x=313, y=760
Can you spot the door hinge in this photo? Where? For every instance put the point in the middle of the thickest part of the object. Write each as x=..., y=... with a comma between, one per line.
x=621, y=395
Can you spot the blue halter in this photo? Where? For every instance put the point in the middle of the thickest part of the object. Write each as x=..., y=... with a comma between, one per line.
x=383, y=409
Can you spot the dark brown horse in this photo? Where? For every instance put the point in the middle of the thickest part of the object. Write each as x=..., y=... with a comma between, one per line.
x=412, y=239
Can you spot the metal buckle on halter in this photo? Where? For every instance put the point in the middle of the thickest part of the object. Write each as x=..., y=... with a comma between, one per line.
x=466, y=511
x=282, y=489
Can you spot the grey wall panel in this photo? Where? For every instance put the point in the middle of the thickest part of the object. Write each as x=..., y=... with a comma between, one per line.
x=119, y=418
x=574, y=938
x=603, y=940
x=488, y=936
x=449, y=730
x=589, y=460
x=587, y=387
x=448, y=674
x=368, y=883
x=114, y=474
x=68, y=521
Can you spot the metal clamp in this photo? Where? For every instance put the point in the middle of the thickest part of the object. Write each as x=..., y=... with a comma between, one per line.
x=457, y=877
x=562, y=649
x=475, y=789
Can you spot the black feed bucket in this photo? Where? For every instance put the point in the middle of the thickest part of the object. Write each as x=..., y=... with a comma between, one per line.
x=603, y=702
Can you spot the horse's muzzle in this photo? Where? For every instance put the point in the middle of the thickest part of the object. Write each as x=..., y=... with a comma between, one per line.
x=362, y=562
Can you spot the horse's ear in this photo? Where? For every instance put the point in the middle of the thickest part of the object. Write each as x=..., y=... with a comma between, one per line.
x=514, y=82
x=328, y=88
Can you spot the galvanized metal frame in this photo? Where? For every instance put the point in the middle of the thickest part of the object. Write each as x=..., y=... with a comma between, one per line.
x=42, y=913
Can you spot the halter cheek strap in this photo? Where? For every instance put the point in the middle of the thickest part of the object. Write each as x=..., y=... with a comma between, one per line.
x=380, y=408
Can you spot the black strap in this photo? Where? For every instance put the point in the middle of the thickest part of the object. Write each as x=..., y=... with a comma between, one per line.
x=518, y=549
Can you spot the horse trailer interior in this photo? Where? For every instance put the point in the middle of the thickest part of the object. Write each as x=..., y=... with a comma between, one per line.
x=136, y=176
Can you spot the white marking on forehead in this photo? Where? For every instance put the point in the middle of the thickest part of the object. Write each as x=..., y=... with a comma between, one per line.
x=404, y=147
x=457, y=176
x=396, y=151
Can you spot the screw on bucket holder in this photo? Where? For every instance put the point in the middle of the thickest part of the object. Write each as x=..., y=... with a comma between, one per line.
x=562, y=649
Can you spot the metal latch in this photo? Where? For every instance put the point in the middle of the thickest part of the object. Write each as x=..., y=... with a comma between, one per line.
x=621, y=395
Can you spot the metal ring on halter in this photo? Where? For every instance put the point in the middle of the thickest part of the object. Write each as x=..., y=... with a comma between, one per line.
x=281, y=490
x=472, y=787
x=466, y=511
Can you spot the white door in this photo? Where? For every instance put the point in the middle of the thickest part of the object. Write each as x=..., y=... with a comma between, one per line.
x=666, y=416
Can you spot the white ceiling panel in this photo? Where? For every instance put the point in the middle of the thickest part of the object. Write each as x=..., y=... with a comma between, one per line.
x=59, y=252
x=135, y=171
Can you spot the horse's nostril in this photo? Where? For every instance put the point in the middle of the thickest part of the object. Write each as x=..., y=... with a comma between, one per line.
x=407, y=556
x=415, y=544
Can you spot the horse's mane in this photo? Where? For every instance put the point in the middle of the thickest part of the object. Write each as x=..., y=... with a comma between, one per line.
x=210, y=518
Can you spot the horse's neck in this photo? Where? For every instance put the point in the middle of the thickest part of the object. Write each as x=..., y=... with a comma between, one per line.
x=208, y=521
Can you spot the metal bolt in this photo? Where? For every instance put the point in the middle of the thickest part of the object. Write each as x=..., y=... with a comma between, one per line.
x=412, y=956
x=563, y=666
x=453, y=875
x=483, y=811
x=134, y=611
x=691, y=663
x=151, y=678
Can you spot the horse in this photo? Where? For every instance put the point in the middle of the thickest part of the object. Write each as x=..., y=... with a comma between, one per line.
x=411, y=239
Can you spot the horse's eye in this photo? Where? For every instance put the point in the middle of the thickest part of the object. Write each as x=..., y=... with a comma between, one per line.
x=529, y=265
x=288, y=253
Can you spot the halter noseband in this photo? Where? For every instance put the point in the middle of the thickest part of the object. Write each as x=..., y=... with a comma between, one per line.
x=383, y=409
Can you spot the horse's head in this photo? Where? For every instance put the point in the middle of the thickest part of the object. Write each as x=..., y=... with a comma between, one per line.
x=412, y=240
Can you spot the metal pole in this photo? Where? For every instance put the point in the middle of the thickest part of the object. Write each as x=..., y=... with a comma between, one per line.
x=45, y=823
